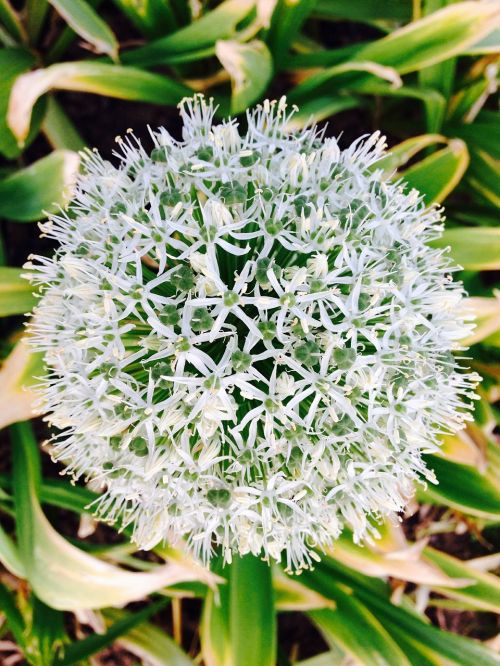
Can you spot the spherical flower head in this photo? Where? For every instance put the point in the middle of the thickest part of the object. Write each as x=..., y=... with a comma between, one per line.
x=248, y=337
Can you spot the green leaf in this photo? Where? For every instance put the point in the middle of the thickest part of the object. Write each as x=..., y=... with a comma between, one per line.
x=10, y=19
x=220, y=23
x=58, y=128
x=78, y=651
x=150, y=644
x=63, y=576
x=154, y=18
x=352, y=75
x=286, y=21
x=434, y=103
x=417, y=651
x=447, y=647
x=438, y=174
x=22, y=369
x=9, y=555
x=484, y=594
x=439, y=76
x=87, y=23
x=62, y=494
x=483, y=134
x=433, y=39
x=488, y=44
x=291, y=595
x=252, y=615
x=42, y=187
x=214, y=628
x=92, y=77
x=324, y=58
x=403, y=152
x=13, y=62
x=16, y=293
x=36, y=12
x=348, y=622
x=474, y=248
x=64, y=39
x=66, y=495
x=47, y=634
x=332, y=658
x=483, y=176
x=369, y=11
x=250, y=68
x=439, y=647
x=463, y=488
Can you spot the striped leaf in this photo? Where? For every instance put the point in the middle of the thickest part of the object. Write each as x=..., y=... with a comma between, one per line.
x=92, y=77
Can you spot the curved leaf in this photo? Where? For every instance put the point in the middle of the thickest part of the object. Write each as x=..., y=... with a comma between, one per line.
x=437, y=175
x=483, y=176
x=220, y=23
x=92, y=77
x=403, y=152
x=18, y=373
x=483, y=593
x=150, y=644
x=63, y=576
x=13, y=62
x=474, y=248
x=80, y=650
x=9, y=555
x=351, y=620
x=286, y=21
x=43, y=187
x=250, y=68
x=441, y=35
x=433, y=39
x=405, y=564
x=410, y=631
x=87, y=23
x=16, y=293
x=463, y=488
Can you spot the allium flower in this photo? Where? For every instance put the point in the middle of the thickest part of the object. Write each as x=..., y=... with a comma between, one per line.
x=248, y=337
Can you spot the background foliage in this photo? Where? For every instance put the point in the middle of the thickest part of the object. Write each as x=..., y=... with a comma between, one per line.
x=424, y=72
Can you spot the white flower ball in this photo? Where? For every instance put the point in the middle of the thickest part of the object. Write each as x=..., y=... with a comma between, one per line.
x=248, y=337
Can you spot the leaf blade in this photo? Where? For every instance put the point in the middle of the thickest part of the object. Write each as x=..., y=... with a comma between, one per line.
x=16, y=293
x=252, y=605
x=474, y=248
x=86, y=22
x=61, y=575
x=438, y=174
x=93, y=77
x=44, y=186
x=250, y=68
x=220, y=23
